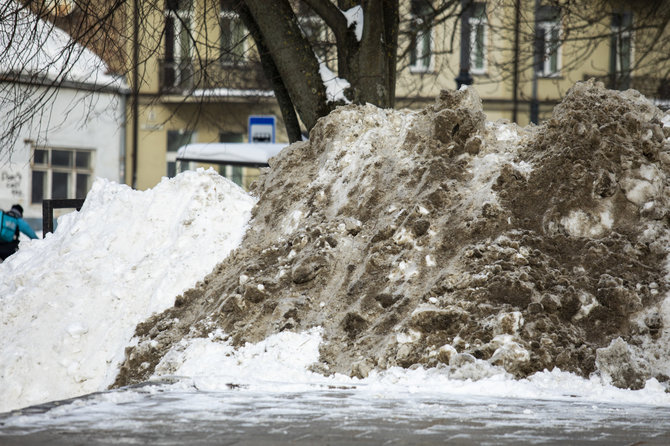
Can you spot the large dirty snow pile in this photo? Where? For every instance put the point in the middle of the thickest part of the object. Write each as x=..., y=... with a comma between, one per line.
x=70, y=303
x=437, y=239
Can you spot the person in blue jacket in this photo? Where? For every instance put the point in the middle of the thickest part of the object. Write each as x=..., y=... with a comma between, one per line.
x=11, y=223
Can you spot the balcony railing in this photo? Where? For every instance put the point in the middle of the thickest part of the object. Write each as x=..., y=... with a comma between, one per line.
x=176, y=76
x=182, y=77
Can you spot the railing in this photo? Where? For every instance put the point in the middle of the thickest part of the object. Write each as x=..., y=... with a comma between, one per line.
x=182, y=77
x=176, y=76
x=48, y=207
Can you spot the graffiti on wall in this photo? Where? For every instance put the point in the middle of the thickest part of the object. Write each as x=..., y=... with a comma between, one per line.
x=12, y=181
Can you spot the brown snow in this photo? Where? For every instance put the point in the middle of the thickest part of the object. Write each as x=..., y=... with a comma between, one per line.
x=436, y=239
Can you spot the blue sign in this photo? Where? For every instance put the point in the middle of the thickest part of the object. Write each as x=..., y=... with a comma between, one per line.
x=262, y=129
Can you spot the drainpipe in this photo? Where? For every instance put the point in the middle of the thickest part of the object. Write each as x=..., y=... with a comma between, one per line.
x=136, y=91
x=124, y=134
x=464, y=77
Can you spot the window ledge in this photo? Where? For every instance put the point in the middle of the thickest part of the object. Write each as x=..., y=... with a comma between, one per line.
x=421, y=70
x=240, y=63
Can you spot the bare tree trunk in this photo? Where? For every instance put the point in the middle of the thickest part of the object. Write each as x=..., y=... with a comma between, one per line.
x=376, y=64
x=369, y=65
x=272, y=74
x=391, y=29
x=293, y=57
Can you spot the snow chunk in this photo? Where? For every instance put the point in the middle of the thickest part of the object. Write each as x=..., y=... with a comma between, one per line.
x=666, y=119
x=334, y=85
x=213, y=364
x=581, y=224
x=508, y=350
x=507, y=132
x=354, y=16
x=639, y=191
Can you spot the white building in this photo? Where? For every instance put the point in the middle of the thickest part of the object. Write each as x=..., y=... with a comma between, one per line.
x=62, y=118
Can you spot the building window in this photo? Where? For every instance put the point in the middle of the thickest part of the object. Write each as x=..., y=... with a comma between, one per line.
x=478, y=38
x=421, y=58
x=175, y=139
x=233, y=173
x=59, y=173
x=621, y=54
x=548, y=41
x=178, y=66
x=233, y=35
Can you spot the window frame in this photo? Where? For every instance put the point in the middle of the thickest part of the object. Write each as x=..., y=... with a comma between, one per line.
x=237, y=53
x=181, y=64
x=179, y=16
x=620, y=31
x=548, y=26
x=418, y=48
x=474, y=22
x=171, y=155
x=73, y=171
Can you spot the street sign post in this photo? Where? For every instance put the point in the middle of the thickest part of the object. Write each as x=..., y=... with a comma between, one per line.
x=262, y=129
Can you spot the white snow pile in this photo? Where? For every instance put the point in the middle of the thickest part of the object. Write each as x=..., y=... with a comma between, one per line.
x=281, y=363
x=70, y=303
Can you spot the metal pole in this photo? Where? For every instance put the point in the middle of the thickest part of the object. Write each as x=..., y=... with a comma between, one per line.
x=48, y=207
x=136, y=90
x=537, y=61
x=464, y=77
x=515, y=79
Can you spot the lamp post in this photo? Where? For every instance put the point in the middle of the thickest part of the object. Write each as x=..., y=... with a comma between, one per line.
x=537, y=66
x=135, y=91
x=464, y=77
x=515, y=74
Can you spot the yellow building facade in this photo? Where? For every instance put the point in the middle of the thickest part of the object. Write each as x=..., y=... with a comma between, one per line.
x=195, y=76
x=530, y=51
x=194, y=79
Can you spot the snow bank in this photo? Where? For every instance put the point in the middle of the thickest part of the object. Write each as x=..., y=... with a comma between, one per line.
x=70, y=303
x=281, y=363
x=434, y=239
x=395, y=250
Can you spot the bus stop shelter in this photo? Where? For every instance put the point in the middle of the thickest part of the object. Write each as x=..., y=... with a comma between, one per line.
x=234, y=154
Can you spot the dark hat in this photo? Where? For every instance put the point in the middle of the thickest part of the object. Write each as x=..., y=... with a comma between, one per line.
x=18, y=209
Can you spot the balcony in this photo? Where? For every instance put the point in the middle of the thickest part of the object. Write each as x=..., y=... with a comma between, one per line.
x=176, y=76
x=183, y=77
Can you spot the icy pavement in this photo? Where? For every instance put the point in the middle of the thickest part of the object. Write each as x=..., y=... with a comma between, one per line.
x=355, y=415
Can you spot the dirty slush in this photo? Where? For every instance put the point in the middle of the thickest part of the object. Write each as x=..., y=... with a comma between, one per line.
x=434, y=238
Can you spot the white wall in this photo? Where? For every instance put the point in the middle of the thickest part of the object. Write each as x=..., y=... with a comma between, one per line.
x=74, y=119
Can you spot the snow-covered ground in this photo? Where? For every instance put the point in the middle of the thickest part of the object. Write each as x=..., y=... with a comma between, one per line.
x=262, y=394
